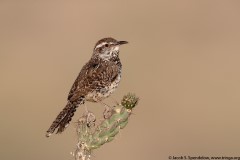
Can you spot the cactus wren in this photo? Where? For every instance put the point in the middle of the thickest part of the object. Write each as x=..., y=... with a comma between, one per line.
x=96, y=81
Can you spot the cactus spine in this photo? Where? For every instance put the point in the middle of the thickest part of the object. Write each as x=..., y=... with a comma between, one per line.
x=92, y=136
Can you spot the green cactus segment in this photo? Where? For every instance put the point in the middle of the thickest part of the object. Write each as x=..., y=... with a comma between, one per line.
x=129, y=101
x=109, y=128
x=96, y=135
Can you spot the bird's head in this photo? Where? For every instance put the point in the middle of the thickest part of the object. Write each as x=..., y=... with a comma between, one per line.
x=107, y=48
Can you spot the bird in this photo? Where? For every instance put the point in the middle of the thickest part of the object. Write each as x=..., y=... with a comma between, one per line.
x=97, y=80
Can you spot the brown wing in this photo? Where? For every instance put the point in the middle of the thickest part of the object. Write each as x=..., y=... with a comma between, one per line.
x=93, y=76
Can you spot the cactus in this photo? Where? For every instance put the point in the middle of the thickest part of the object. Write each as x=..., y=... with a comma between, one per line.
x=92, y=136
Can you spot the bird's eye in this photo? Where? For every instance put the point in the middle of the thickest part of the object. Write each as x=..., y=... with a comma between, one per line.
x=106, y=45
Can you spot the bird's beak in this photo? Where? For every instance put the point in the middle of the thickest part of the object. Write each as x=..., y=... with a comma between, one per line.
x=122, y=42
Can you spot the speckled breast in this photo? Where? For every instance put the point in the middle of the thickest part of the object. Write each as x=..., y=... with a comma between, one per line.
x=105, y=92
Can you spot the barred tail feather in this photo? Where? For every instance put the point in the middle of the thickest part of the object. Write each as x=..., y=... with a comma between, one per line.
x=63, y=118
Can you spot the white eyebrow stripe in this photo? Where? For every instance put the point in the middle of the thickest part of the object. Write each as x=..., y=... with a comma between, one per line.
x=100, y=45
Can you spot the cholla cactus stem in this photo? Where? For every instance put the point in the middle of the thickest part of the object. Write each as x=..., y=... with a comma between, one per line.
x=92, y=136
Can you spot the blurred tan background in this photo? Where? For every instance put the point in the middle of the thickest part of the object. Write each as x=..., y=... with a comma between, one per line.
x=182, y=60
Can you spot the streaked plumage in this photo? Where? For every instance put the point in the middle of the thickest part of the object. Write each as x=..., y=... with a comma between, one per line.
x=96, y=81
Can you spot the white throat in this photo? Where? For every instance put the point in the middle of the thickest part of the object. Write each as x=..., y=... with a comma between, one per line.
x=108, y=55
